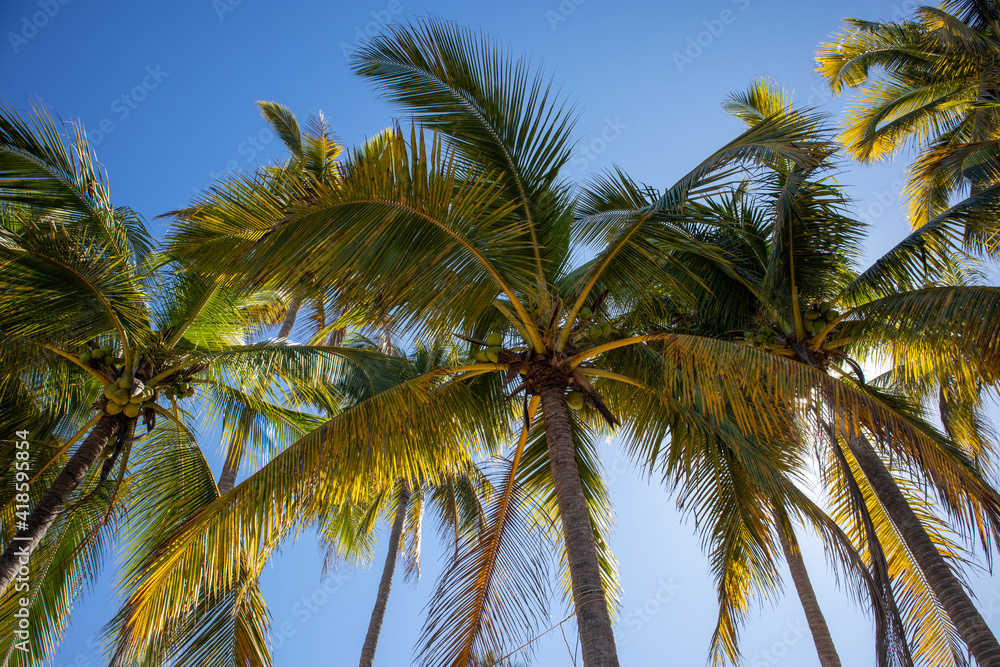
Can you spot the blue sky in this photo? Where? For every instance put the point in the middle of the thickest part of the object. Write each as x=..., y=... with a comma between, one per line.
x=167, y=91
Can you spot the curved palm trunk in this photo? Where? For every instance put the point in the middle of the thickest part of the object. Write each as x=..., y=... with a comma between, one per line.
x=593, y=620
x=375, y=625
x=289, y=321
x=949, y=590
x=54, y=500
x=807, y=596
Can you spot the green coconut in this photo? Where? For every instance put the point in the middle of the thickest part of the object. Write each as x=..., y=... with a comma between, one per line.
x=97, y=354
x=125, y=381
x=586, y=313
x=85, y=357
x=813, y=314
x=606, y=328
x=110, y=390
x=481, y=357
x=494, y=340
x=575, y=400
x=595, y=331
x=491, y=354
x=112, y=408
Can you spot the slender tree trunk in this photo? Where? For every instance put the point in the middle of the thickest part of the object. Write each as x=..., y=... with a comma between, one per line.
x=227, y=480
x=378, y=614
x=593, y=620
x=237, y=447
x=814, y=615
x=289, y=322
x=949, y=590
x=55, y=498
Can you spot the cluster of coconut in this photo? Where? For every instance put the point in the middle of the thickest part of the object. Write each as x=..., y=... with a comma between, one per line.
x=596, y=329
x=819, y=315
x=577, y=400
x=762, y=337
x=492, y=352
x=128, y=396
x=97, y=354
x=178, y=389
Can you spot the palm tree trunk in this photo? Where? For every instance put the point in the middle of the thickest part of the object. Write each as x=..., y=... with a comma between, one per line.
x=378, y=614
x=949, y=590
x=237, y=447
x=289, y=321
x=55, y=498
x=592, y=618
x=227, y=480
x=814, y=615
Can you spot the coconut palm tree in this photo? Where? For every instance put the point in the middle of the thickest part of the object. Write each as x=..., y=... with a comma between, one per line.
x=930, y=83
x=102, y=336
x=457, y=499
x=473, y=232
x=794, y=244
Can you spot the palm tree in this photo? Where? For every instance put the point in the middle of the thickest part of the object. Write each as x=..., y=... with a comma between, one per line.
x=473, y=232
x=457, y=499
x=930, y=82
x=102, y=335
x=794, y=246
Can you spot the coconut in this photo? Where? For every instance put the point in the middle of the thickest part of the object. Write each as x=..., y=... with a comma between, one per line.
x=125, y=381
x=606, y=328
x=131, y=410
x=825, y=307
x=595, y=331
x=112, y=408
x=491, y=355
x=831, y=315
x=97, y=354
x=812, y=314
x=494, y=340
x=586, y=313
x=481, y=357
x=85, y=357
x=110, y=390
x=575, y=400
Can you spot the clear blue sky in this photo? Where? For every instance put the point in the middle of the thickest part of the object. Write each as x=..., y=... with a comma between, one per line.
x=167, y=90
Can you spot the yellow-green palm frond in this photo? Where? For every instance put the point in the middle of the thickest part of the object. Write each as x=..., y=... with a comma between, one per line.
x=493, y=592
x=494, y=110
x=932, y=637
x=59, y=178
